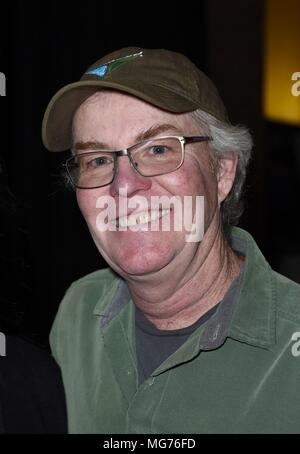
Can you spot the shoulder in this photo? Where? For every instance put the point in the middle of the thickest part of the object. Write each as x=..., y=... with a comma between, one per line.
x=91, y=290
x=103, y=275
x=98, y=281
x=288, y=297
x=83, y=301
x=263, y=281
x=84, y=293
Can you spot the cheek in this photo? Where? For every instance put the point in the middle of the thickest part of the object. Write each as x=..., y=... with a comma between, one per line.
x=195, y=180
x=87, y=202
x=83, y=202
x=192, y=179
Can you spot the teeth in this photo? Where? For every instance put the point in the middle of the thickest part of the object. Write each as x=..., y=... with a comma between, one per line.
x=142, y=218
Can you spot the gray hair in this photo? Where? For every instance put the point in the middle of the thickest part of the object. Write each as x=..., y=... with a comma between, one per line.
x=228, y=139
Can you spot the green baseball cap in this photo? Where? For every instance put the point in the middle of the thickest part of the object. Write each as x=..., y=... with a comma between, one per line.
x=163, y=78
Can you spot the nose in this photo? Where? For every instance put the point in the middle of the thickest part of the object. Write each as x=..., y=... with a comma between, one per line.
x=128, y=179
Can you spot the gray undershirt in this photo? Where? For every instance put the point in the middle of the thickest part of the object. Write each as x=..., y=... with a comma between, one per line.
x=154, y=346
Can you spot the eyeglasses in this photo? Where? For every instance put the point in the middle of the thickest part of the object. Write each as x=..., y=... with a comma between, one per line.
x=149, y=158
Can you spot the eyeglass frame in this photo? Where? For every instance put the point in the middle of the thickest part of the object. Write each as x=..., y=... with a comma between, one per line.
x=126, y=152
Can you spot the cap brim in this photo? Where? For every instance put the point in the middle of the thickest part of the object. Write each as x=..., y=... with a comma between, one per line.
x=57, y=121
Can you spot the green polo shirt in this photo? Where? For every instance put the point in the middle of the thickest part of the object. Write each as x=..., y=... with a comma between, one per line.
x=239, y=372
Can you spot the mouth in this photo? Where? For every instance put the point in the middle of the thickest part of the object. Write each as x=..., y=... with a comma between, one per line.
x=140, y=218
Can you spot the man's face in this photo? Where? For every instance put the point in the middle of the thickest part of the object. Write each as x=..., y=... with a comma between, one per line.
x=117, y=120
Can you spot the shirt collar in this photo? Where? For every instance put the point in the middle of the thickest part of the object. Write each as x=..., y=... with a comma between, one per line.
x=246, y=313
x=254, y=315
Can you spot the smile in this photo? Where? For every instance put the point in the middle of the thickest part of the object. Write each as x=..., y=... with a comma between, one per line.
x=140, y=218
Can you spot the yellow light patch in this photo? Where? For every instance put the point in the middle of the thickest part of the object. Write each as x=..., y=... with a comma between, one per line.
x=282, y=61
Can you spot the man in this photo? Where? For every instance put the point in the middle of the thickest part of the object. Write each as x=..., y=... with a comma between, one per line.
x=184, y=332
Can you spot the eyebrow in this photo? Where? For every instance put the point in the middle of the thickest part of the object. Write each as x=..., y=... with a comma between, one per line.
x=146, y=134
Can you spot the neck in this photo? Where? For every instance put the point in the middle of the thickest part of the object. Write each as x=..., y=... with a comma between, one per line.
x=181, y=295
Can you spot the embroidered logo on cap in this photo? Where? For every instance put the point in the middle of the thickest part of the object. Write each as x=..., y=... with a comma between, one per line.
x=110, y=66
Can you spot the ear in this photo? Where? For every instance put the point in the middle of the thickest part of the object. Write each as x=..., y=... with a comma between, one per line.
x=226, y=175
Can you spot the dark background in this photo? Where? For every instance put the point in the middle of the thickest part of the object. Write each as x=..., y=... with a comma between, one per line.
x=44, y=242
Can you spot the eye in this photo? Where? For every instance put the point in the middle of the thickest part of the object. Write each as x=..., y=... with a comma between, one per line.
x=95, y=163
x=157, y=150
x=98, y=162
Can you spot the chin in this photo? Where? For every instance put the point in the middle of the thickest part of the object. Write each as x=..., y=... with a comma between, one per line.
x=139, y=253
x=140, y=262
